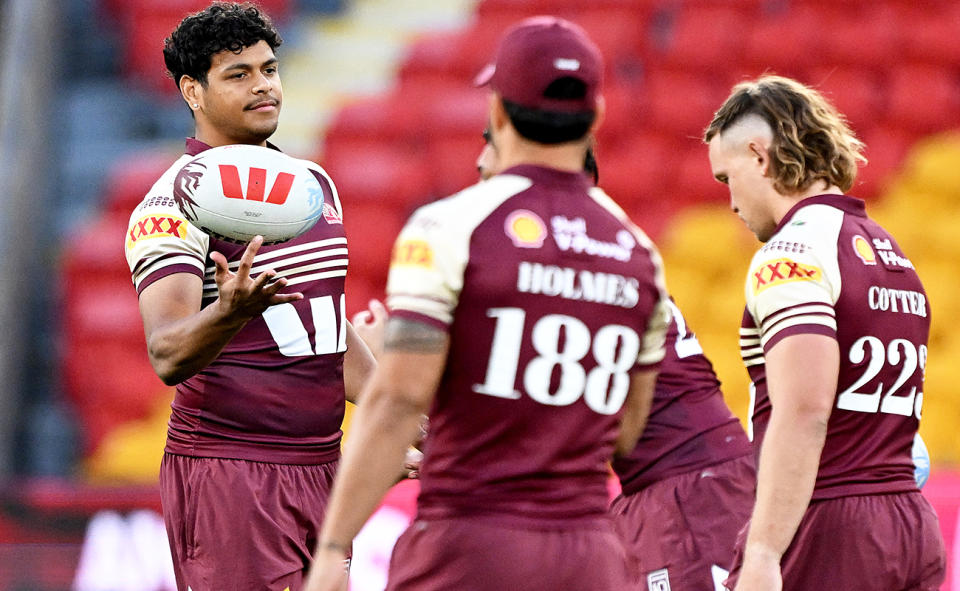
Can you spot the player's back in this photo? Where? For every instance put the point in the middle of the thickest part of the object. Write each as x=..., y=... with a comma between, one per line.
x=556, y=292
x=831, y=266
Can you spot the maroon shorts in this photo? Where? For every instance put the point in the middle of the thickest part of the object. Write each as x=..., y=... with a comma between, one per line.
x=886, y=542
x=236, y=524
x=471, y=554
x=681, y=531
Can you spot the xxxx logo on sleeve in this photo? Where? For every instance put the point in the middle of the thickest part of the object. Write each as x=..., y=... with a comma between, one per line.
x=780, y=271
x=413, y=253
x=156, y=226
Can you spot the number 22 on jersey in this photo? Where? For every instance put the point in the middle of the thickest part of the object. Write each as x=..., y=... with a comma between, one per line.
x=604, y=388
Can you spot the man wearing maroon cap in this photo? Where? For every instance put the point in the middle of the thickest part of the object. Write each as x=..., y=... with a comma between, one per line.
x=528, y=317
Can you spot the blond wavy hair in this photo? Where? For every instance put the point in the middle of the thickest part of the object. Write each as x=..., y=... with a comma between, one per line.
x=811, y=139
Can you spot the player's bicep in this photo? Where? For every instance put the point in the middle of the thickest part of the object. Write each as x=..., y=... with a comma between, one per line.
x=802, y=372
x=170, y=299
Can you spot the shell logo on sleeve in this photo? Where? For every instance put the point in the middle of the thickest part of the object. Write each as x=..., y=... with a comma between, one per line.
x=861, y=246
x=525, y=229
x=413, y=253
x=780, y=271
x=156, y=226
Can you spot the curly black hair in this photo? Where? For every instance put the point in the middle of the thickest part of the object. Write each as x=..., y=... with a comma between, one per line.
x=188, y=51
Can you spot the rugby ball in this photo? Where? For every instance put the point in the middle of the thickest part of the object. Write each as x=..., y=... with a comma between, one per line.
x=238, y=191
x=921, y=461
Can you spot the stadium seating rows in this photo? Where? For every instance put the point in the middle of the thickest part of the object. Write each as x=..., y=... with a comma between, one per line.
x=892, y=66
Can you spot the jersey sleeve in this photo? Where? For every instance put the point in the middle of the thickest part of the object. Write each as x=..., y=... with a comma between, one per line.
x=426, y=270
x=793, y=284
x=161, y=242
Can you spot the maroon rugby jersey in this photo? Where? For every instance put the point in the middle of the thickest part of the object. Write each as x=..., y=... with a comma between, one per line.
x=275, y=393
x=690, y=426
x=831, y=270
x=551, y=298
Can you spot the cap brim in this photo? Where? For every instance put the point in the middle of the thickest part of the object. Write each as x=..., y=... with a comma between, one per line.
x=485, y=75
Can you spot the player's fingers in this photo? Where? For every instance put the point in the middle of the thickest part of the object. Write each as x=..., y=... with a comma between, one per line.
x=267, y=280
x=378, y=310
x=361, y=318
x=246, y=261
x=283, y=298
x=222, y=271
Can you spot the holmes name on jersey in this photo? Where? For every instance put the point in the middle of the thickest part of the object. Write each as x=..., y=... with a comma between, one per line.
x=574, y=284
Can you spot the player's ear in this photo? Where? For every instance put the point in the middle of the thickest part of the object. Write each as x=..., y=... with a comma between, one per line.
x=760, y=154
x=601, y=113
x=190, y=91
x=498, y=114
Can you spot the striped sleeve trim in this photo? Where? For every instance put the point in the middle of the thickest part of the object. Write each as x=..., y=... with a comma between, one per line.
x=424, y=318
x=800, y=324
x=409, y=304
x=165, y=271
x=793, y=311
x=800, y=329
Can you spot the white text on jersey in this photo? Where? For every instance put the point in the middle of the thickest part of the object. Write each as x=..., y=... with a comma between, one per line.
x=897, y=300
x=572, y=284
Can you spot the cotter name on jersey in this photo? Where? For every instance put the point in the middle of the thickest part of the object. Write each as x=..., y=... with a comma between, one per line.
x=904, y=301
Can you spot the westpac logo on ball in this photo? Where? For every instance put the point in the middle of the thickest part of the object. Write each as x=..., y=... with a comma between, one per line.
x=237, y=192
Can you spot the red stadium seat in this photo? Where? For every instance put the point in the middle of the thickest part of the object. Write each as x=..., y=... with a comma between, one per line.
x=371, y=230
x=432, y=55
x=703, y=37
x=453, y=162
x=694, y=183
x=680, y=103
x=923, y=98
x=445, y=108
x=378, y=172
x=388, y=117
x=855, y=92
x=860, y=38
x=131, y=177
x=931, y=35
x=886, y=150
x=781, y=43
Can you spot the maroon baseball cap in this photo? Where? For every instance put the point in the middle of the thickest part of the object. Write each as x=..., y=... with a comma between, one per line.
x=536, y=52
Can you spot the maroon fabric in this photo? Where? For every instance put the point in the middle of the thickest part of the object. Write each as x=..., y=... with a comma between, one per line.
x=538, y=51
x=252, y=402
x=686, y=524
x=473, y=555
x=236, y=524
x=862, y=543
x=690, y=426
x=515, y=458
x=865, y=452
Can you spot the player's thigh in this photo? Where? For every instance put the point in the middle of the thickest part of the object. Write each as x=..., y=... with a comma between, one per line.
x=867, y=543
x=470, y=555
x=245, y=525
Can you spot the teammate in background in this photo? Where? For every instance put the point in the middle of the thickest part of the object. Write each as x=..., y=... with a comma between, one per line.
x=689, y=484
x=835, y=340
x=528, y=316
x=261, y=370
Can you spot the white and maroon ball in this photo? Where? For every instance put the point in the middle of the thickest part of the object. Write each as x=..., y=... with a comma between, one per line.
x=238, y=191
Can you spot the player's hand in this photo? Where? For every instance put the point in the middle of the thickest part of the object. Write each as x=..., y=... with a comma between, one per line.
x=760, y=572
x=328, y=572
x=411, y=463
x=370, y=326
x=247, y=296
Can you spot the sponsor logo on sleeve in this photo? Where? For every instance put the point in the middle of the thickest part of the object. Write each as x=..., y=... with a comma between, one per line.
x=891, y=260
x=781, y=271
x=413, y=253
x=861, y=246
x=331, y=214
x=156, y=226
x=525, y=229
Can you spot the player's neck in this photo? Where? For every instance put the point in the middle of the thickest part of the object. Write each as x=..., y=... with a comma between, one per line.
x=567, y=157
x=784, y=203
x=214, y=137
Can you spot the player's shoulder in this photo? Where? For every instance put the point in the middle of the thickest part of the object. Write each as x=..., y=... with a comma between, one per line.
x=614, y=209
x=158, y=216
x=811, y=231
x=159, y=198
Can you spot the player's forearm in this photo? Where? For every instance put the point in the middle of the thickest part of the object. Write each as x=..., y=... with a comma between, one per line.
x=636, y=410
x=182, y=348
x=383, y=428
x=789, y=460
x=358, y=365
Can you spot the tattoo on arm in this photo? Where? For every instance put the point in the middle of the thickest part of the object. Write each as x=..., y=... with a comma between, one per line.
x=411, y=336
